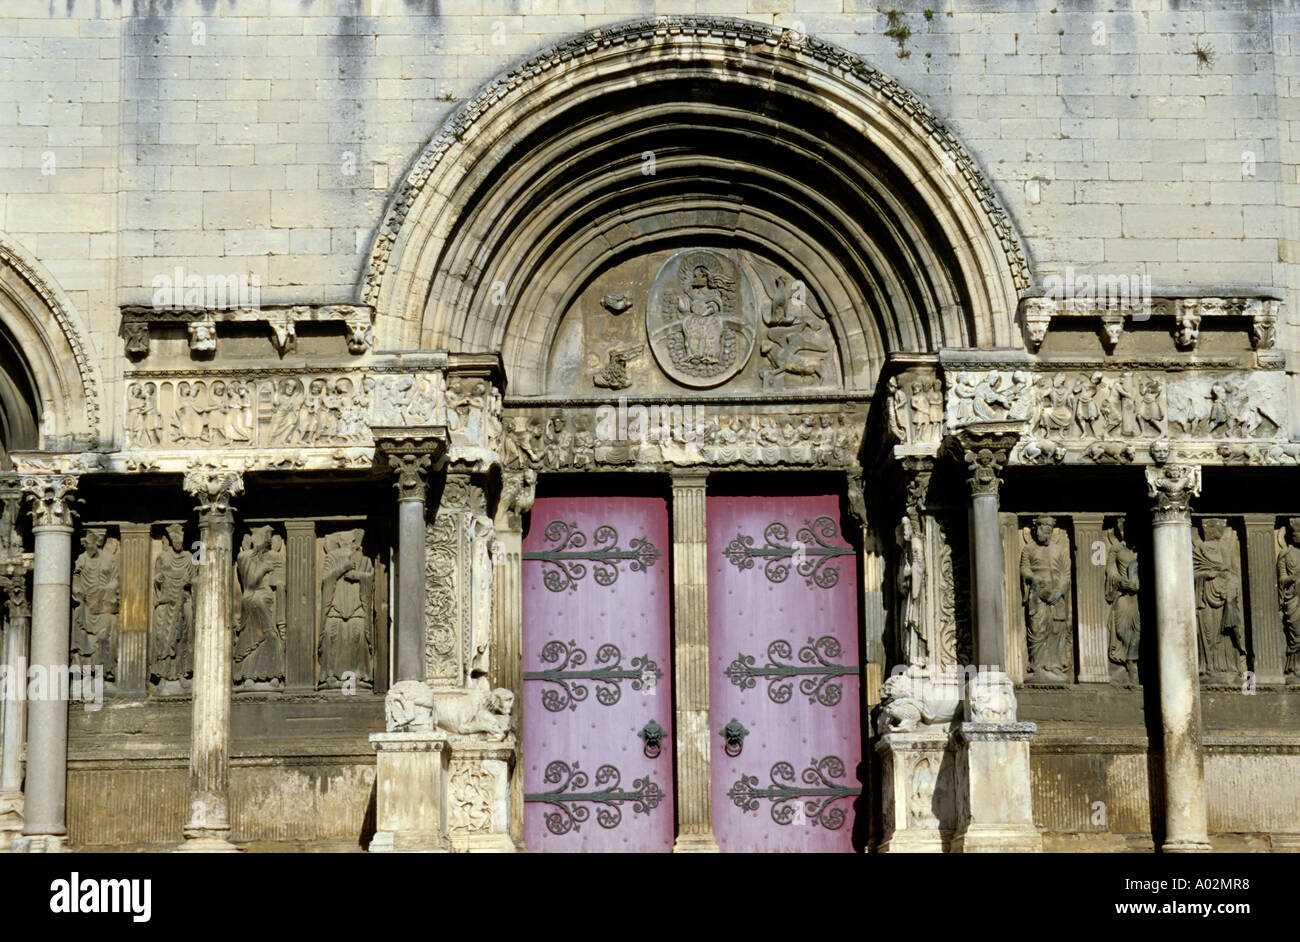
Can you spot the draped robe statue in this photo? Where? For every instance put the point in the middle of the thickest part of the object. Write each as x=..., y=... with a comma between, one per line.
x=259, y=643
x=1123, y=622
x=1216, y=569
x=95, y=598
x=171, y=632
x=1288, y=587
x=1045, y=587
x=346, y=641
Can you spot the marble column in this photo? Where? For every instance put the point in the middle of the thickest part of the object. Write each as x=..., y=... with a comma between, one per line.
x=44, y=826
x=1172, y=487
x=134, y=611
x=410, y=453
x=518, y=489
x=13, y=582
x=207, y=825
x=985, y=451
x=691, y=665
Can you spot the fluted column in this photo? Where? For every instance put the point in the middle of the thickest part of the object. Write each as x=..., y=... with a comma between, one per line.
x=410, y=453
x=985, y=451
x=44, y=826
x=13, y=582
x=207, y=825
x=691, y=665
x=506, y=668
x=1173, y=487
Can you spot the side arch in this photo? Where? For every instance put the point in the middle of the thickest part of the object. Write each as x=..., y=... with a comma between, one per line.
x=759, y=137
x=48, y=358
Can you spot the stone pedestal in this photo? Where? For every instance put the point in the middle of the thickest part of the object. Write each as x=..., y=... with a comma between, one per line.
x=410, y=792
x=917, y=791
x=994, y=805
x=438, y=792
x=478, y=795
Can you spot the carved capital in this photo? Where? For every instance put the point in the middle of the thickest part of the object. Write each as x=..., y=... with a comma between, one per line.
x=136, y=336
x=916, y=481
x=13, y=583
x=213, y=489
x=52, y=498
x=1036, y=313
x=1172, y=488
x=985, y=449
x=410, y=452
x=518, y=489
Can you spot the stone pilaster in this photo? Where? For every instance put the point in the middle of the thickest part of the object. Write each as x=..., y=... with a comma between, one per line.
x=1090, y=582
x=1267, y=639
x=44, y=825
x=985, y=449
x=207, y=824
x=1172, y=487
x=518, y=489
x=875, y=614
x=410, y=452
x=458, y=577
x=18, y=611
x=133, y=617
x=302, y=614
x=691, y=665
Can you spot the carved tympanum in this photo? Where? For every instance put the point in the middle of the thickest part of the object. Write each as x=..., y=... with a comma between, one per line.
x=701, y=318
x=1045, y=578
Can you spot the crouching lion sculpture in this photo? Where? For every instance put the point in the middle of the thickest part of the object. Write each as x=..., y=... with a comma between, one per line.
x=412, y=706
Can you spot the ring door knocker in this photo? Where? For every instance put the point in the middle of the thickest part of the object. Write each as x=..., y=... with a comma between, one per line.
x=653, y=735
x=734, y=734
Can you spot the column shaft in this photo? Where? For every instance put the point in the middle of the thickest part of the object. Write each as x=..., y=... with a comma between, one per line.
x=133, y=618
x=408, y=647
x=11, y=743
x=691, y=665
x=989, y=588
x=1090, y=582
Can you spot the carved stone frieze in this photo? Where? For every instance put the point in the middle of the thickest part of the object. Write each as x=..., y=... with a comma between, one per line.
x=681, y=436
x=914, y=409
x=281, y=320
x=1232, y=406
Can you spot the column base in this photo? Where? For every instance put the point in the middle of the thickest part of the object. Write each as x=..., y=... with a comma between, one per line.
x=207, y=844
x=992, y=840
x=409, y=842
x=916, y=841
x=38, y=844
x=1185, y=847
x=695, y=844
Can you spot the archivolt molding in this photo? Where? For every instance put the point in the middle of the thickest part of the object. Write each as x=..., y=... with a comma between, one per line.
x=961, y=202
x=51, y=339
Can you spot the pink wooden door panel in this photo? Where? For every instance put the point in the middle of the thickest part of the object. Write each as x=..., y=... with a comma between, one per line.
x=597, y=670
x=783, y=662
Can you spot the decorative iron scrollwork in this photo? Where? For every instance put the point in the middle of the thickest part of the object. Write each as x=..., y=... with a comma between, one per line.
x=821, y=794
x=817, y=673
x=653, y=735
x=811, y=551
x=571, y=807
x=568, y=554
x=734, y=734
x=642, y=671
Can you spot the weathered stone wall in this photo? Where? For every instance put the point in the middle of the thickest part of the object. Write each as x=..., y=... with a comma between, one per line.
x=264, y=137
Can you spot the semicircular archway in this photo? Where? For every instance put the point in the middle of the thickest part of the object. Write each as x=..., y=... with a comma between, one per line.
x=787, y=155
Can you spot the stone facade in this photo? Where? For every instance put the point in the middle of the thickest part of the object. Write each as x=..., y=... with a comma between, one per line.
x=302, y=304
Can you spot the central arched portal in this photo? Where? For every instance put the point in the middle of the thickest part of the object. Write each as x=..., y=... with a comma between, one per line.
x=694, y=243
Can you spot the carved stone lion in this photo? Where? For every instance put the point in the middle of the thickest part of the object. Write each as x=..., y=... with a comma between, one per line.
x=990, y=698
x=412, y=706
x=907, y=700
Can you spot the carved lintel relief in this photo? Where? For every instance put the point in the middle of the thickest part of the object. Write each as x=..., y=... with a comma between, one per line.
x=914, y=408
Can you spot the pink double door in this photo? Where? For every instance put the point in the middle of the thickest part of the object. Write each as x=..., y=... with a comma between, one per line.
x=784, y=676
x=597, y=609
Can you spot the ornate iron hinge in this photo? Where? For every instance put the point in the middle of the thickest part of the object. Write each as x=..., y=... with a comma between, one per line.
x=817, y=674
x=571, y=812
x=568, y=555
x=643, y=672
x=821, y=792
x=809, y=553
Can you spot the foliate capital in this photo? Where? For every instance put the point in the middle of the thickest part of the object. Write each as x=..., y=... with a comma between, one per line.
x=1172, y=488
x=412, y=474
x=213, y=488
x=410, y=450
x=52, y=498
x=985, y=449
x=13, y=583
